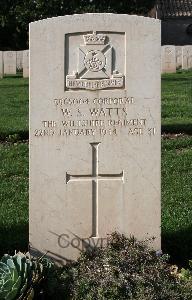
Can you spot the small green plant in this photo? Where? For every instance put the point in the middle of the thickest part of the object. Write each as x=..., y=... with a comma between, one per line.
x=15, y=272
x=20, y=276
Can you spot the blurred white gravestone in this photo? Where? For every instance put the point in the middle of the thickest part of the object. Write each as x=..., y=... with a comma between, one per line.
x=9, y=59
x=168, y=59
x=26, y=63
x=19, y=55
x=178, y=57
x=187, y=57
x=94, y=131
x=1, y=64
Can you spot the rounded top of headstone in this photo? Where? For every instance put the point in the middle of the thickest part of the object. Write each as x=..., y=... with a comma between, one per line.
x=87, y=16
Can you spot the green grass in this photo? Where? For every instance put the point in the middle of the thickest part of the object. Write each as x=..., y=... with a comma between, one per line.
x=176, y=165
x=177, y=198
x=13, y=197
x=177, y=102
x=14, y=107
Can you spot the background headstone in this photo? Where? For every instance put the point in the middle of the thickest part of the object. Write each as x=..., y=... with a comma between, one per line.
x=168, y=59
x=9, y=59
x=94, y=131
x=1, y=64
x=178, y=57
x=19, y=55
x=187, y=57
x=26, y=63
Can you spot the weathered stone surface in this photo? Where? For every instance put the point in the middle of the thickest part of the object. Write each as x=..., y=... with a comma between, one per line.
x=168, y=59
x=1, y=64
x=187, y=57
x=94, y=131
x=26, y=63
x=19, y=55
x=9, y=59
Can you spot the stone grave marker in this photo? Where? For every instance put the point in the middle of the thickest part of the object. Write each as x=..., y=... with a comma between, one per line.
x=187, y=57
x=19, y=55
x=168, y=59
x=26, y=63
x=1, y=64
x=94, y=131
x=9, y=59
x=178, y=57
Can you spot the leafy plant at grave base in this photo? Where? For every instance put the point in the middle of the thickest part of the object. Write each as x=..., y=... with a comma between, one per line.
x=51, y=281
x=20, y=276
x=124, y=269
x=186, y=274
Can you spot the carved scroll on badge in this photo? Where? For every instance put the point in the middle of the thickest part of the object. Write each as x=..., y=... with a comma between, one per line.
x=95, y=65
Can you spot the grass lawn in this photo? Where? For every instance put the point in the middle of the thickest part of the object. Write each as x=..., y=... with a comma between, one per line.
x=13, y=197
x=177, y=102
x=177, y=198
x=176, y=165
x=14, y=107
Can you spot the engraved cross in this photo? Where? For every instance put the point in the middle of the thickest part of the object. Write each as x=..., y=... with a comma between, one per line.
x=95, y=177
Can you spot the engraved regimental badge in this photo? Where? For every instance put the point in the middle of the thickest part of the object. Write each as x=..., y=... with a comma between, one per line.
x=95, y=67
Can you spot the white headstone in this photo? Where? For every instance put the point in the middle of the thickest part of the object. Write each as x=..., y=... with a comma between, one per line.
x=178, y=57
x=187, y=57
x=168, y=59
x=94, y=131
x=19, y=55
x=1, y=64
x=9, y=59
x=26, y=63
